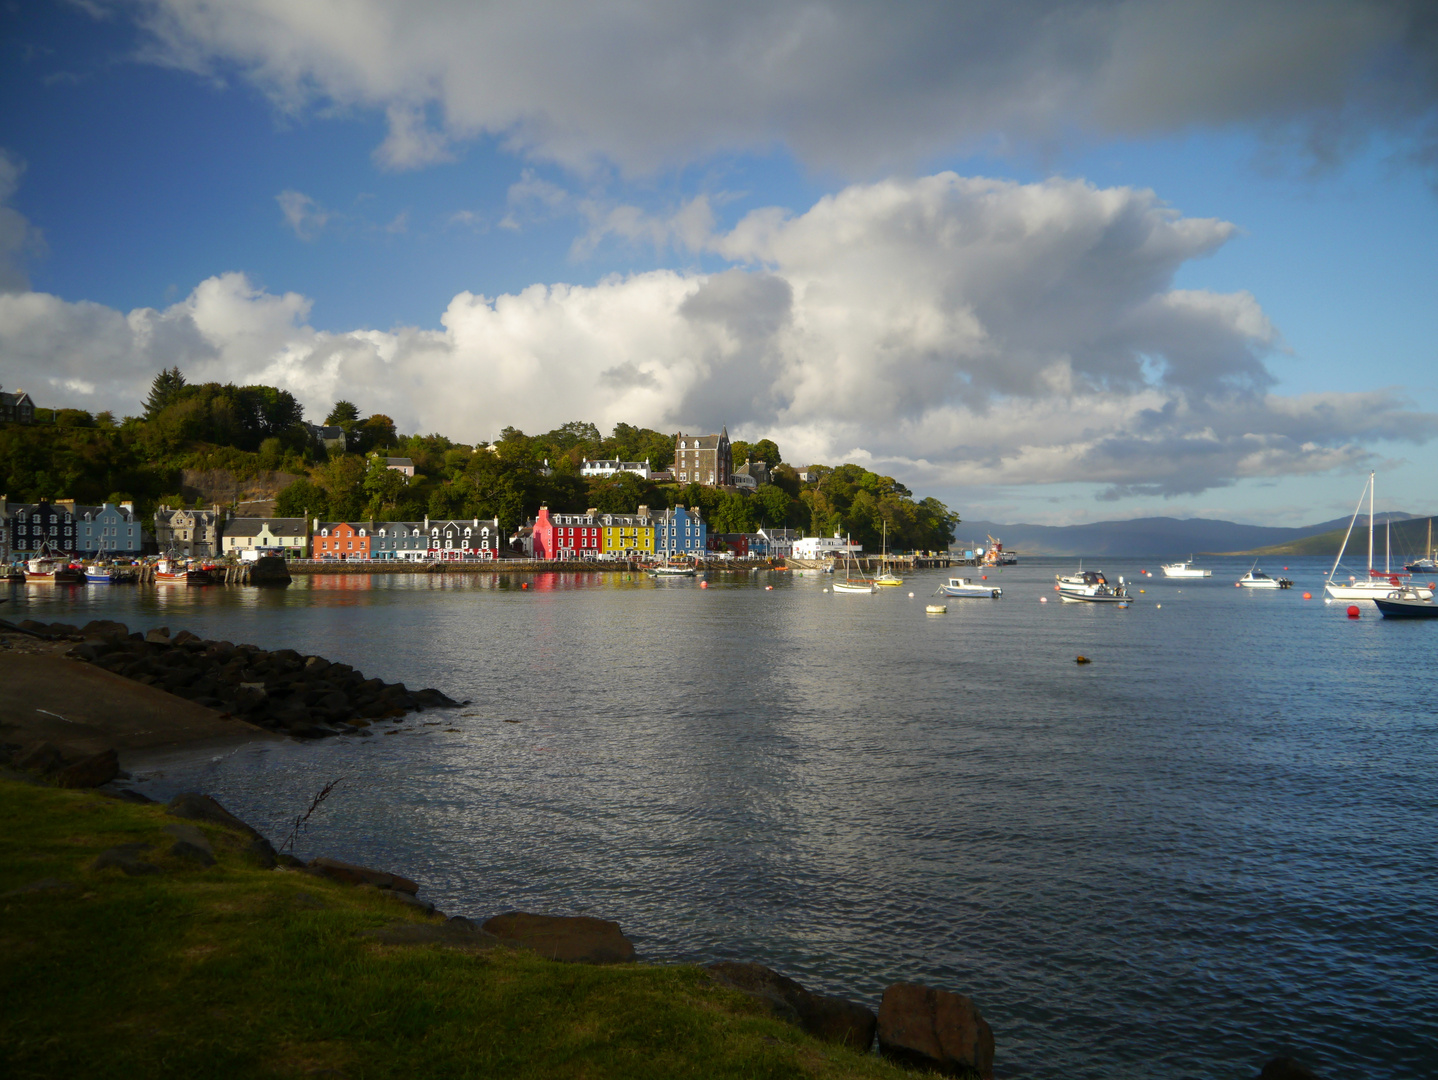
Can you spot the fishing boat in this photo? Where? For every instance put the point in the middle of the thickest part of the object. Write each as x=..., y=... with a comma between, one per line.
x=99, y=574
x=1427, y=564
x=850, y=584
x=958, y=586
x=170, y=572
x=1378, y=582
x=1406, y=603
x=52, y=569
x=1184, y=570
x=1257, y=579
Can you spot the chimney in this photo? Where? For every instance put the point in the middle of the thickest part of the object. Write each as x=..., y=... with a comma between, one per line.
x=128, y=505
x=643, y=510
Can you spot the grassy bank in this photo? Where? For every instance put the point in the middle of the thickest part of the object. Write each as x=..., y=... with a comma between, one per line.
x=237, y=971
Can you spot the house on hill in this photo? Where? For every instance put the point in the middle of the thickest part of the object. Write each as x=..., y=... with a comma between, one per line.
x=703, y=459
x=16, y=408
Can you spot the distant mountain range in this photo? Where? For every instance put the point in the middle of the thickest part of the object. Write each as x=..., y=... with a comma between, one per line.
x=1180, y=537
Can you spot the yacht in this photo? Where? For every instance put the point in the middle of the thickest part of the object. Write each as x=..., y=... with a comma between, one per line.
x=1378, y=582
x=1427, y=564
x=1184, y=570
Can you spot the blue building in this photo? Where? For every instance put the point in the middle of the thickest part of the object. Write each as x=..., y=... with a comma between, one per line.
x=680, y=532
x=399, y=540
x=108, y=530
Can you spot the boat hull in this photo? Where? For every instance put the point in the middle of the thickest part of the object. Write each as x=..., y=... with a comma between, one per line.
x=854, y=587
x=971, y=592
x=1093, y=598
x=1169, y=571
x=1368, y=591
x=1395, y=608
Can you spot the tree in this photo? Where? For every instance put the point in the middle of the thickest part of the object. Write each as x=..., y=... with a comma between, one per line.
x=344, y=412
x=764, y=450
x=376, y=433
x=164, y=390
x=303, y=498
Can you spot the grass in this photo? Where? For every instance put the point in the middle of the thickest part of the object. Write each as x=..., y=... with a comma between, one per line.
x=236, y=971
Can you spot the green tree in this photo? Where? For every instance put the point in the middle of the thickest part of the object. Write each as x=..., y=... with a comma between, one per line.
x=164, y=390
x=303, y=498
x=343, y=412
x=764, y=450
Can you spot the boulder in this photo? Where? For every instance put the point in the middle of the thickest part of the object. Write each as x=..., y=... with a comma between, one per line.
x=1285, y=1068
x=105, y=630
x=160, y=635
x=351, y=874
x=125, y=857
x=832, y=1019
x=40, y=757
x=455, y=933
x=93, y=772
x=197, y=807
x=935, y=1029
x=572, y=938
x=263, y=853
x=191, y=844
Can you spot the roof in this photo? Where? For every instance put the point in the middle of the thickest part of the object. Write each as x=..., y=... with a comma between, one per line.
x=702, y=442
x=404, y=462
x=253, y=526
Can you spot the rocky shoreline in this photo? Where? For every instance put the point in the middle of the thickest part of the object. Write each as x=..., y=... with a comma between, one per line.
x=283, y=691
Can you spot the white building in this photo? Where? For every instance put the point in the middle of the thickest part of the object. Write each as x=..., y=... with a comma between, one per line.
x=609, y=468
x=824, y=547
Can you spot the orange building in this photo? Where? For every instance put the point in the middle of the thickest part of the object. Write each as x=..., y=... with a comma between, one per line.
x=341, y=540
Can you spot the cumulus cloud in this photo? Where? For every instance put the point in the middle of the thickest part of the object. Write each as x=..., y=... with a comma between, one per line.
x=949, y=330
x=850, y=84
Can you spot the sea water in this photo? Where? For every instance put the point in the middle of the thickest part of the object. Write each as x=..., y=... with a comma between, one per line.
x=1214, y=844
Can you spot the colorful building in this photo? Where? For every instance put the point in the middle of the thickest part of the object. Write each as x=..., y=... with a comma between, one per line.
x=341, y=540
x=108, y=530
x=34, y=526
x=288, y=536
x=680, y=532
x=627, y=536
x=402, y=540
x=477, y=538
x=566, y=536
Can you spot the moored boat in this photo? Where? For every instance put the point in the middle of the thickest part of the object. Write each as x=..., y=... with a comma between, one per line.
x=958, y=586
x=1406, y=603
x=168, y=572
x=1378, y=582
x=1184, y=570
x=52, y=570
x=1257, y=579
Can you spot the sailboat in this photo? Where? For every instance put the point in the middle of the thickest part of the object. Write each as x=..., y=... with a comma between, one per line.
x=849, y=583
x=1427, y=564
x=888, y=577
x=1379, y=582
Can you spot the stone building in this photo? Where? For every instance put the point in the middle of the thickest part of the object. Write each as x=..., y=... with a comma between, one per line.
x=16, y=408
x=189, y=532
x=703, y=459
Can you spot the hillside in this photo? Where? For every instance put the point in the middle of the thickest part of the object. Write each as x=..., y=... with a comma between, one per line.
x=1159, y=536
x=1408, y=540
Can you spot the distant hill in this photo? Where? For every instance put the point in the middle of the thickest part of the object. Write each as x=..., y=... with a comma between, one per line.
x=1168, y=537
x=1408, y=540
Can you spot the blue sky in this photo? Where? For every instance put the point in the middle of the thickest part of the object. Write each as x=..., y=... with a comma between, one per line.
x=256, y=195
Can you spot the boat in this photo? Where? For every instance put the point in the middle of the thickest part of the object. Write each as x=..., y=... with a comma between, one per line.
x=1257, y=579
x=936, y=609
x=1081, y=581
x=995, y=555
x=888, y=578
x=1406, y=603
x=1427, y=564
x=1090, y=587
x=1184, y=570
x=671, y=570
x=958, y=586
x=851, y=584
x=97, y=574
x=1378, y=582
x=46, y=568
x=169, y=572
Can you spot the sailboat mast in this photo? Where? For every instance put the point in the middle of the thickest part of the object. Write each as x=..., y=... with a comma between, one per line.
x=1371, y=486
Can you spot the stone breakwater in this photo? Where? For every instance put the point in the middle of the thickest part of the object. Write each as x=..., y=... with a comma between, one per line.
x=283, y=691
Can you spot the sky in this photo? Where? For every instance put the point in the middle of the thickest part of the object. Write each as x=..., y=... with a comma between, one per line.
x=1056, y=262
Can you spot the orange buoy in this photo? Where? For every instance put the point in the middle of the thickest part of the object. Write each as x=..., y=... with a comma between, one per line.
x=1238, y=584
x=1353, y=611
x=1308, y=596
x=524, y=584
x=768, y=588
x=704, y=584
x=984, y=576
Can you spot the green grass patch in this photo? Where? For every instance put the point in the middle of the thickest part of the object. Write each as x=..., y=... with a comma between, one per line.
x=236, y=971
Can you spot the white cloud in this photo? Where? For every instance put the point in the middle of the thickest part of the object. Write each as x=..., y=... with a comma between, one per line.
x=949, y=330
x=18, y=238
x=303, y=214
x=856, y=85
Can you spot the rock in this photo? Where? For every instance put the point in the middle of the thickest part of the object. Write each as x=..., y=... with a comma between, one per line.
x=191, y=835
x=128, y=795
x=40, y=757
x=832, y=1019
x=263, y=853
x=182, y=849
x=411, y=900
x=160, y=635
x=125, y=857
x=105, y=630
x=351, y=874
x=1285, y=1068
x=197, y=807
x=455, y=933
x=185, y=636
x=935, y=1029
x=92, y=772
x=572, y=938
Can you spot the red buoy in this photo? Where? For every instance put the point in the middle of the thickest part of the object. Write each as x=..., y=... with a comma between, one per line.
x=1308, y=596
x=704, y=584
x=524, y=584
x=1353, y=611
x=984, y=576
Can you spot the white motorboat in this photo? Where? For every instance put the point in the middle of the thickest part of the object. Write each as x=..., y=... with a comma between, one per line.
x=958, y=586
x=1081, y=582
x=1184, y=570
x=1257, y=579
x=1378, y=582
x=671, y=570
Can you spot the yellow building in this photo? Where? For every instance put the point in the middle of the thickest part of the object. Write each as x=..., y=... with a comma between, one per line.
x=627, y=535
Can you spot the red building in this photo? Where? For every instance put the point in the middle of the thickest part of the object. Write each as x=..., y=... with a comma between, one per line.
x=341, y=540
x=567, y=536
x=737, y=544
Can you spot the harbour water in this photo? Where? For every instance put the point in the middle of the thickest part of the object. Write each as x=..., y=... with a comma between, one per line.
x=1213, y=844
